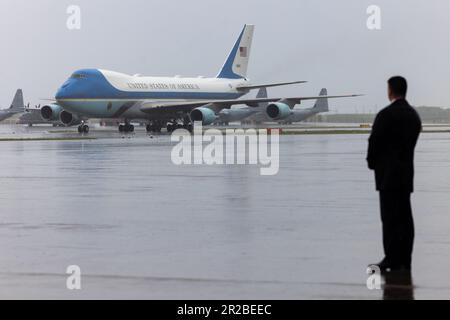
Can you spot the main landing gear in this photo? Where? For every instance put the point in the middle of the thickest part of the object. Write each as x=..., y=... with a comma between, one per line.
x=174, y=125
x=126, y=128
x=83, y=128
x=155, y=127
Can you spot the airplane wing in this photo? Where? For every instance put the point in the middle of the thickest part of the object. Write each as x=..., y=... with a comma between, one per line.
x=217, y=105
x=268, y=85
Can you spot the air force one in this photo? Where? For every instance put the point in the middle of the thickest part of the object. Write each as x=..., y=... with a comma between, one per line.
x=171, y=102
x=17, y=106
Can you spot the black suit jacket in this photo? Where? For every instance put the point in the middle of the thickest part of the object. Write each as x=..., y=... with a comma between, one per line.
x=391, y=146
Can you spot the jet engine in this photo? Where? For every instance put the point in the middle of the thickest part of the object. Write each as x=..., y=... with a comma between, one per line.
x=51, y=112
x=69, y=119
x=205, y=115
x=278, y=110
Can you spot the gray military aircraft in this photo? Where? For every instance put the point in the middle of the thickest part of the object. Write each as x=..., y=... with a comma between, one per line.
x=266, y=112
x=299, y=115
x=17, y=106
x=225, y=116
x=31, y=117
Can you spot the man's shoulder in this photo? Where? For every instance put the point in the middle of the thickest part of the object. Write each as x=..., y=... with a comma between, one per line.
x=399, y=106
x=402, y=103
x=402, y=109
x=384, y=112
x=411, y=110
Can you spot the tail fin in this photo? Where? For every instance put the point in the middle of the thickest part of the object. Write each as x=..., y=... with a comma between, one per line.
x=17, y=103
x=236, y=65
x=322, y=104
x=262, y=94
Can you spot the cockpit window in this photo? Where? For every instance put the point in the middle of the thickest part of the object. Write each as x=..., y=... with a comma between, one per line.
x=78, y=76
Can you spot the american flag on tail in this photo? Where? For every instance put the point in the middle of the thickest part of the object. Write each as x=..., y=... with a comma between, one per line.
x=243, y=52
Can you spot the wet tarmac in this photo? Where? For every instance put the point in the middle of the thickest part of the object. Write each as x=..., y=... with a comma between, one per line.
x=141, y=227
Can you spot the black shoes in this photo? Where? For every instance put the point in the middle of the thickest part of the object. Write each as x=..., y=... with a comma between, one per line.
x=387, y=266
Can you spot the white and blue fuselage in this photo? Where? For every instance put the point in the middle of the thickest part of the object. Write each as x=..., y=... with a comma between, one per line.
x=106, y=94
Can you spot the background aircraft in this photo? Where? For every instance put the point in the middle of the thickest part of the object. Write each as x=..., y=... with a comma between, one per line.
x=298, y=115
x=17, y=106
x=260, y=115
x=225, y=116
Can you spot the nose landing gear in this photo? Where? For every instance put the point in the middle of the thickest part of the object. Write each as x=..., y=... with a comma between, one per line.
x=83, y=128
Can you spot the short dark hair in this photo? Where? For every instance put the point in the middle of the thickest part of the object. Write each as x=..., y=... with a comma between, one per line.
x=398, y=86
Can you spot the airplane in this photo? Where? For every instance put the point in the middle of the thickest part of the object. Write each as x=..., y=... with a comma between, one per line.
x=31, y=117
x=225, y=116
x=298, y=115
x=17, y=106
x=164, y=101
x=261, y=114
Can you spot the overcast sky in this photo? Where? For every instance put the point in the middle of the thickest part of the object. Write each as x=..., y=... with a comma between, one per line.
x=323, y=41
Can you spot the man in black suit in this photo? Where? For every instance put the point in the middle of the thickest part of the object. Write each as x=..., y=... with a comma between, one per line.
x=391, y=154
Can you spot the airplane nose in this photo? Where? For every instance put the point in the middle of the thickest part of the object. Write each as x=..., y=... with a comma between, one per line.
x=63, y=91
x=60, y=94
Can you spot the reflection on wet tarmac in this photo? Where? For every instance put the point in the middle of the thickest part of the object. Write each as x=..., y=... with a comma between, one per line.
x=138, y=225
x=398, y=285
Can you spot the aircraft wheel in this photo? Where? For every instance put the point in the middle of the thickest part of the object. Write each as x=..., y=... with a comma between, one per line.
x=80, y=129
x=189, y=127
x=86, y=129
x=128, y=128
x=121, y=128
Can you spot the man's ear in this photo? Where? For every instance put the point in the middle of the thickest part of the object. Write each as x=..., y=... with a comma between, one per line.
x=389, y=92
